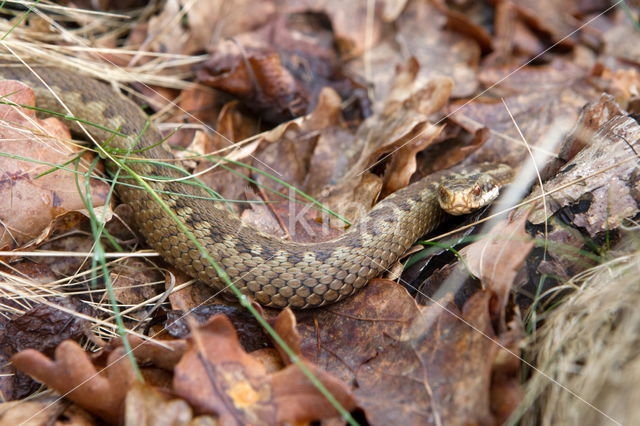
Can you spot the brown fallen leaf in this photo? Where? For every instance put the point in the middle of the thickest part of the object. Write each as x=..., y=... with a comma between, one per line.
x=135, y=281
x=624, y=86
x=41, y=328
x=498, y=257
x=232, y=126
x=592, y=116
x=422, y=33
x=426, y=366
x=216, y=376
x=44, y=411
x=300, y=153
x=390, y=140
x=40, y=199
x=279, y=70
x=545, y=102
x=468, y=18
x=72, y=374
x=163, y=354
x=146, y=406
x=216, y=19
x=344, y=336
x=405, y=114
x=251, y=335
x=353, y=31
x=619, y=40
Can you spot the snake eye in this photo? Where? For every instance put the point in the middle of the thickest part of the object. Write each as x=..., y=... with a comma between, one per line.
x=476, y=190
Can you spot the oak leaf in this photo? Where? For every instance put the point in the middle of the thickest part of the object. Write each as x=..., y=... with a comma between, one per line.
x=218, y=377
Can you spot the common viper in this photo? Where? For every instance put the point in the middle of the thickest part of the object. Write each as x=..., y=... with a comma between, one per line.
x=275, y=272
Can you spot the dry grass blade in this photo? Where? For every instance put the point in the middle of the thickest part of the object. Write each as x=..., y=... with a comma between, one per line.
x=589, y=343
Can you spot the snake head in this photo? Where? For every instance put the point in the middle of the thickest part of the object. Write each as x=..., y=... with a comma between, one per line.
x=463, y=194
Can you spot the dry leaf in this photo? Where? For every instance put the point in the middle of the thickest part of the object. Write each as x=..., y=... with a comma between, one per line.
x=217, y=376
x=545, y=102
x=145, y=406
x=134, y=281
x=41, y=328
x=279, y=70
x=498, y=257
x=425, y=366
x=50, y=411
x=73, y=375
x=38, y=199
x=422, y=34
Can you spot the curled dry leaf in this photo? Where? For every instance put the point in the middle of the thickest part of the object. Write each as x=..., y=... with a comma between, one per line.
x=405, y=115
x=73, y=375
x=279, y=70
x=40, y=199
x=395, y=134
x=216, y=376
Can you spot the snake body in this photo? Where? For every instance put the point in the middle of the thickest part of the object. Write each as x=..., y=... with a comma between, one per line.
x=274, y=272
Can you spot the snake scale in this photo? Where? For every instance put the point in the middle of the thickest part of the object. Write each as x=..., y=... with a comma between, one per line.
x=274, y=272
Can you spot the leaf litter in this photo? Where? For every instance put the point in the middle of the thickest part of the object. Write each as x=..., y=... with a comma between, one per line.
x=347, y=104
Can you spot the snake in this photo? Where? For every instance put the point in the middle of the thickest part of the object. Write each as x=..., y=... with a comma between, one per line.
x=273, y=271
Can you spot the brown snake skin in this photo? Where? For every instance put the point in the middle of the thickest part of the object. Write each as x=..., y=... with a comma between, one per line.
x=275, y=272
